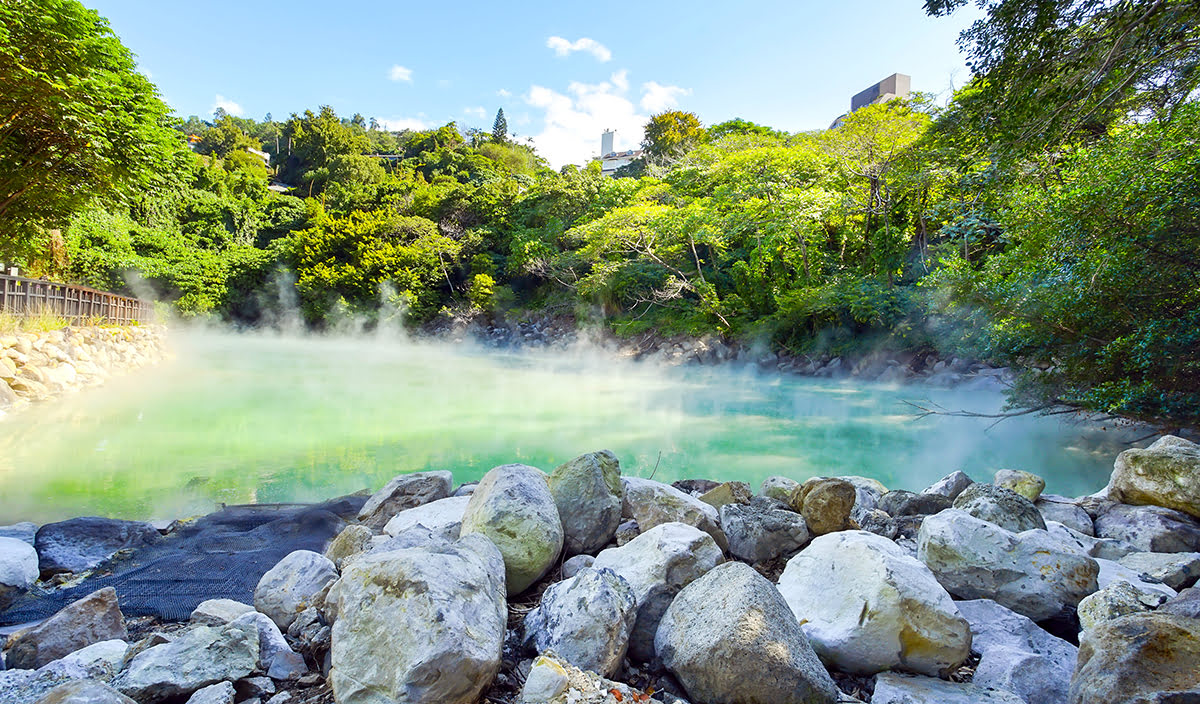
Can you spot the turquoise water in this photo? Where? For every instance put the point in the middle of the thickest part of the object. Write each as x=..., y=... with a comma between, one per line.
x=257, y=418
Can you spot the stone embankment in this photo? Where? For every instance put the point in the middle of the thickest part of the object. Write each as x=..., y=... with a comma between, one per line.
x=35, y=366
x=585, y=587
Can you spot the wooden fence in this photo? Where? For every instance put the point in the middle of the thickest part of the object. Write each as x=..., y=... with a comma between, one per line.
x=78, y=304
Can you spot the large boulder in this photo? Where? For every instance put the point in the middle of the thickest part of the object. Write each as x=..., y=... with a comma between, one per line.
x=1174, y=569
x=763, y=530
x=442, y=517
x=867, y=606
x=1026, y=484
x=728, y=493
x=219, y=693
x=1114, y=600
x=404, y=492
x=778, y=488
x=1065, y=511
x=80, y=544
x=92, y=619
x=292, y=585
x=587, y=491
x=585, y=619
x=1004, y=507
x=729, y=637
x=653, y=503
x=1165, y=474
x=352, y=541
x=513, y=507
x=1187, y=603
x=1111, y=571
x=950, y=485
x=1137, y=659
x=25, y=531
x=218, y=612
x=1028, y=572
x=275, y=655
x=1149, y=528
x=84, y=692
x=420, y=625
x=656, y=565
x=18, y=569
x=893, y=688
x=202, y=656
x=826, y=504
x=906, y=503
x=1016, y=655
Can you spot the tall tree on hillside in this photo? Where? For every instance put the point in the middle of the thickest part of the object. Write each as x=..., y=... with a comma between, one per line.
x=500, y=127
x=1052, y=68
x=77, y=120
x=670, y=134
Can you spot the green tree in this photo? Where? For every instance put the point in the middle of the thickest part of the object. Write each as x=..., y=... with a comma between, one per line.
x=500, y=128
x=670, y=134
x=77, y=120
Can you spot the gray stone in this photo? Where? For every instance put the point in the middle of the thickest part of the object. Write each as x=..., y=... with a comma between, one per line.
x=1016, y=655
x=763, y=530
x=586, y=620
x=255, y=687
x=1186, y=604
x=1174, y=569
x=779, y=488
x=513, y=507
x=442, y=518
x=547, y=681
x=421, y=625
x=627, y=531
x=293, y=585
x=730, y=637
x=18, y=569
x=575, y=565
x=98, y=661
x=1150, y=528
x=1003, y=507
x=219, y=693
x=1074, y=541
x=202, y=656
x=894, y=688
x=656, y=565
x=880, y=523
x=1118, y=598
x=275, y=655
x=653, y=503
x=728, y=493
x=84, y=692
x=950, y=485
x=1111, y=571
x=1165, y=474
x=587, y=491
x=906, y=503
x=351, y=541
x=866, y=606
x=80, y=544
x=218, y=612
x=1028, y=572
x=1026, y=484
x=1065, y=511
x=1140, y=658
x=94, y=618
x=404, y=492
x=25, y=531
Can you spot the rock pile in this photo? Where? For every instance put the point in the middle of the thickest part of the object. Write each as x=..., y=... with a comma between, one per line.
x=35, y=366
x=705, y=593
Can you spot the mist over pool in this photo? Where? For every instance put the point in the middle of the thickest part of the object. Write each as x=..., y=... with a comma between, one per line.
x=257, y=418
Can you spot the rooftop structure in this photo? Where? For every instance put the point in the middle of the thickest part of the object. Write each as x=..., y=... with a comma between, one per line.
x=897, y=85
x=611, y=160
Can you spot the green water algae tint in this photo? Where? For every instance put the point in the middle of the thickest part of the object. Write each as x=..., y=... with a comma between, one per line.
x=260, y=418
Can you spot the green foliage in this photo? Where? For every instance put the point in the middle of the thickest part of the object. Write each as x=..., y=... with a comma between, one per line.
x=483, y=287
x=670, y=134
x=500, y=128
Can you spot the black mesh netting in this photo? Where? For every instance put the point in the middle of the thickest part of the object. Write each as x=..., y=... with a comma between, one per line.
x=219, y=556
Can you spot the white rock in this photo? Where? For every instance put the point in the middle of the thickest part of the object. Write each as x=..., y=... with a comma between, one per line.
x=656, y=565
x=292, y=584
x=1016, y=655
x=100, y=661
x=950, y=485
x=587, y=491
x=219, y=693
x=218, y=612
x=274, y=653
x=202, y=656
x=653, y=503
x=893, y=688
x=1028, y=572
x=18, y=568
x=404, y=492
x=546, y=681
x=443, y=517
x=1116, y=599
x=867, y=606
x=1116, y=572
x=586, y=620
x=1176, y=570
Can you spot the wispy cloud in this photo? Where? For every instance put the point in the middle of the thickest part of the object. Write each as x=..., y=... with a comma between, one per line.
x=657, y=97
x=503, y=93
x=396, y=124
x=563, y=47
x=227, y=105
x=574, y=120
x=477, y=111
x=400, y=73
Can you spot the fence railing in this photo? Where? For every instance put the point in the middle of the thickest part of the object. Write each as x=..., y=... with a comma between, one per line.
x=78, y=304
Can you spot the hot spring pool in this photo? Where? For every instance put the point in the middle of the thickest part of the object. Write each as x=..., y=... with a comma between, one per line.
x=260, y=418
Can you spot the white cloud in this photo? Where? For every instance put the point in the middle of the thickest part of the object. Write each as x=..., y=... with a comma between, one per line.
x=227, y=105
x=573, y=121
x=475, y=112
x=657, y=97
x=396, y=124
x=399, y=73
x=562, y=47
x=503, y=93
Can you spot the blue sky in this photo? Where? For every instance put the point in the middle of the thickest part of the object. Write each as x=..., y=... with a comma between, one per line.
x=563, y=71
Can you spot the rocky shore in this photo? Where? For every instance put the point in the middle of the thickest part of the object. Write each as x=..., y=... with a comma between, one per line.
x=582, y=586
x=36, y=366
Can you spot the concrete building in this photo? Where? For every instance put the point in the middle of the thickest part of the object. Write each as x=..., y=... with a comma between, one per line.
x=611, y=160
x=897, y=85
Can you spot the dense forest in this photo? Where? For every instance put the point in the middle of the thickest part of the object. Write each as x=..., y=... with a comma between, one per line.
x=1047, y=217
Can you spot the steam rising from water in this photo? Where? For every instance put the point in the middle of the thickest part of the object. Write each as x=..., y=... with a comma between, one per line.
x=278, y=418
